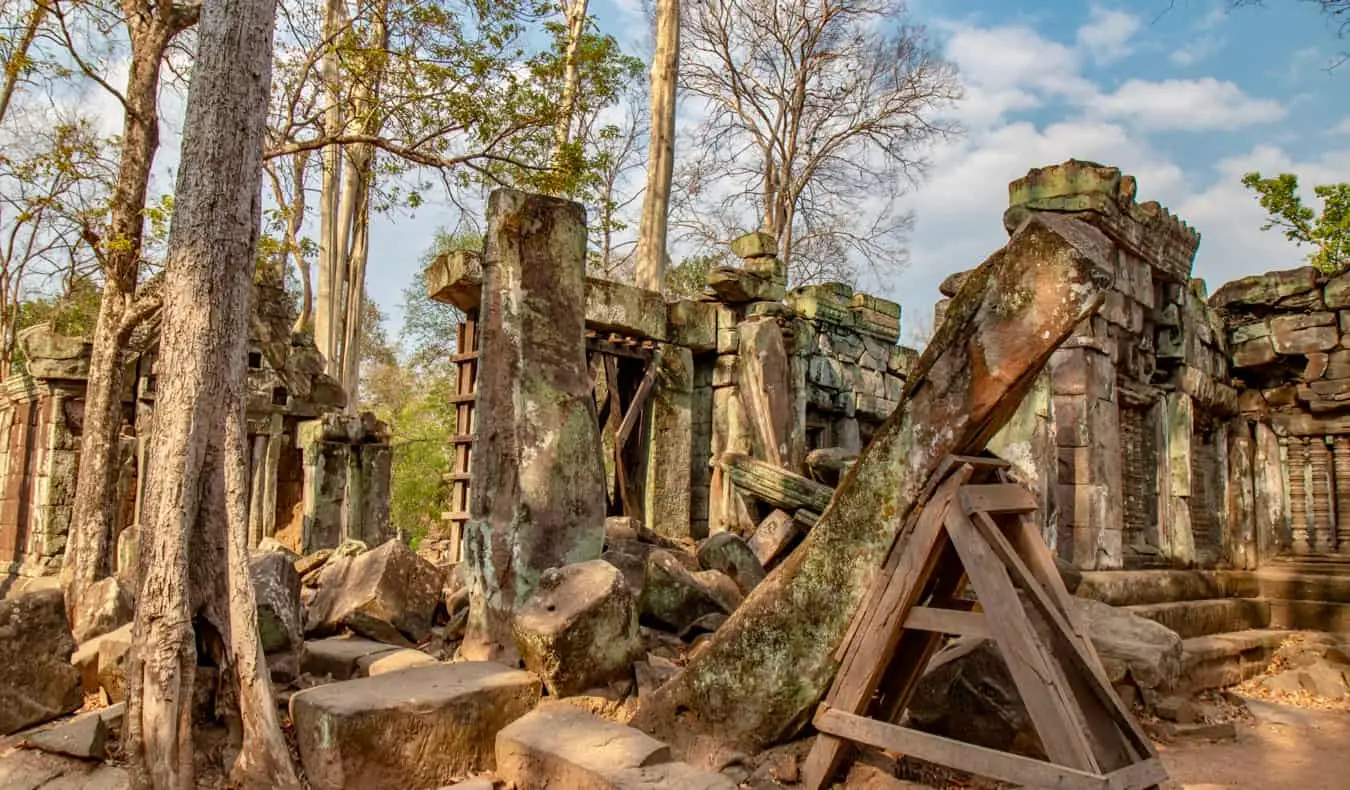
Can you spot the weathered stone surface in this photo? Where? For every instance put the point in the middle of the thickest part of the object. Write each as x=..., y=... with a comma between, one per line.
x=396, y=660
x=561, y=747
x=388, y=594
x=763, y=672
x=692, y=325
x=341, y=657
x=767, y=394
x=84, y=736
x=618, y=307
x=580, y=628
x=456, y=278
x=37, y=681
x=773, y=536
x=276, y=588
x=28, y=769
x=1304, y=333
x=652, y=672
x=104, y=607
x=421, y=727
x=1132, y=647
x=113, y=649
x=968, y=694
x=737, y=286
x=728, y=553
x=540, y=442
x=754, y=245
x=1253, y=353
x=774, y=485
x=668, y=426
x=674, y=598
x=1336, y=293
x=1265, y=289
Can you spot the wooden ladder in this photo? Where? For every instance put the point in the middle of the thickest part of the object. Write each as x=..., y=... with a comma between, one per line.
x=973, y=528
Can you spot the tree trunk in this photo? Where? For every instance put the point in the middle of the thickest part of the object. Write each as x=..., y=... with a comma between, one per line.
x=330, y=257
x=763, y=672
x=196, y=519
x=574, y=13
x=651, y=248
x=88, y=545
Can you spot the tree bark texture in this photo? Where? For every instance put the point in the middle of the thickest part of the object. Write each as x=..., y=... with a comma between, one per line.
x=89, y=543
x=759, y=678
x=540, y=497
x=652, y=228
x=194, y=561
x=574, y=14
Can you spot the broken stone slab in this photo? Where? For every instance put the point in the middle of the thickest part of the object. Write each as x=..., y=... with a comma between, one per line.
x=30, y=769
x=276, y=589
x=1304, y=333
x=535, y=392
x=728, y=553
x=580, y=628
x=37, y=681
x=341, y=657
x=456, y=278
x=617, y=307
x=760, y=676
x=396, y=660
x=775, y=485
x=773, y=536
x=376, y=732
x=738, y=286
x=561, y=747
x=388, y=594
x=673, y=597
x=1131, y=647
x=1265, y=289
x=84, y=736
x=105, y=606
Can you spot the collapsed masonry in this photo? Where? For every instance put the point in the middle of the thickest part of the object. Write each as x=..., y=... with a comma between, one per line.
x=318, y=475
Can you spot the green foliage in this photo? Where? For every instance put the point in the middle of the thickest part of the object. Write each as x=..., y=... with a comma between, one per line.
x=688, y=278
x=1327, y=233
x=73, y=313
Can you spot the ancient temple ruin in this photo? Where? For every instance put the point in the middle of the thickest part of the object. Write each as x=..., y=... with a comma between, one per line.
x=318, y=474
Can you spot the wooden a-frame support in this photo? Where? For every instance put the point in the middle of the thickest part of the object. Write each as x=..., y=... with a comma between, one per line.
x=972, y=527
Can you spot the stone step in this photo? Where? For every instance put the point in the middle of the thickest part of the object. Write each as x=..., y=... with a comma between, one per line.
x=1126, y=588
x=1191, y=618
x=1292, y=585
x=418, y=727
x=1310, y=615
x=562, y=747
x=1221, y=660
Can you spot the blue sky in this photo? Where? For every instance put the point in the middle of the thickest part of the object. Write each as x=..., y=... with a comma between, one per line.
x=1185, y=96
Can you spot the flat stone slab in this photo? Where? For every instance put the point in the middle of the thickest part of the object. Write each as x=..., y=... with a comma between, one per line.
x=420, y=727
x=562, y=747
x=84, y=736
x=339, y=657
x=391, y=661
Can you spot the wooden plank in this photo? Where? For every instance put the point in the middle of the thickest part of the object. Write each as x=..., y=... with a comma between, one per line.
x=947, y=621
x=1005, y=767
x=1039, y=679
x=1138, y=776
x=467, y=356
x=997, y=498
x=1080, y=655
x=467, y=397
x=612, y=424
x=877, y=626
x=462, y=438
x=639, y=402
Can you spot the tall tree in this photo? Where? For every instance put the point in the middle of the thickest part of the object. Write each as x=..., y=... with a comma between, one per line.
x=652, y=232
x=194, y=557
x=817, y=112
x=1327, y=232
x=151, y=27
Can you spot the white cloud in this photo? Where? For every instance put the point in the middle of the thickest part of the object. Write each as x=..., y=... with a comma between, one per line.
x=1107, y=33
x=1197, y=50
x=1341, y=128
x=1205, y=104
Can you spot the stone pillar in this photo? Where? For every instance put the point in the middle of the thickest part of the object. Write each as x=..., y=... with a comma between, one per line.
x=1272, y=530
x=538, y=499
x=731, y=433
x=376, y=468
x=1341, y=455
x=669, y=441
x=1087, y=433
x=1319, y=464
x=1239, y=540
x=257, y=490
x=325, y=488
x=1298, y=494
x=767, y=394
x=1176, y=539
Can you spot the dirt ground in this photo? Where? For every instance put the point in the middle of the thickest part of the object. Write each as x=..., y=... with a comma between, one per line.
x=1286, y=747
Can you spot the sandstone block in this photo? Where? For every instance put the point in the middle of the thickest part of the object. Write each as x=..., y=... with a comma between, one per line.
x=106, y=606
x=674, y=598
x=1336, y=293
x=755, y=245
x=37, y=681
x=773, y=536
x=738, y=286
x=692, y=325
x=84, y=736
x=341, y=657
x=580, y=629
x=396, y=660
x=388, y=594
x=276, y=589
x=1265, y=289
x=728, y=553
x=421, y=727
x=113, y=650
x=1253, y=353
x=1301, y=334
x=457, y=279
x=617, y=307
x=561, y=747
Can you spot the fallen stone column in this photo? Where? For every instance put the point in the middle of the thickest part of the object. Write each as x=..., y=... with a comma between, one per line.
x=773, y=484
x=760, y=676
x=538, y=498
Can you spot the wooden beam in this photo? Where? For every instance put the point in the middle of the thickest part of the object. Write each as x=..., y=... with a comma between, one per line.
x=1005, y=767
x=947, y=621
x=997, y=498
x=639, y=401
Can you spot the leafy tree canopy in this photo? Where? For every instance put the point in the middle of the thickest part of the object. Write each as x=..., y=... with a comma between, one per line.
x=1328, y=233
